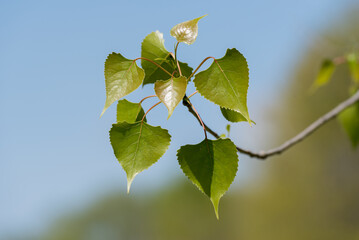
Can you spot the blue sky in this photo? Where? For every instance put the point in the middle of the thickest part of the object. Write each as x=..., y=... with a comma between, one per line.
x=54, y=150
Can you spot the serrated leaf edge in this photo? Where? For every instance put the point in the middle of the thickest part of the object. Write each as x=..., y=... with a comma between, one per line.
x=215, y=206
x=129, y=182
x=248, y=120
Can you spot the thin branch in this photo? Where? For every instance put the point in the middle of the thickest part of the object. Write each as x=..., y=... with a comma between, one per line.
x=198, y=118
x=291, y=142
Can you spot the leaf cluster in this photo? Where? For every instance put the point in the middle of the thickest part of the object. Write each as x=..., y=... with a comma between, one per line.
x=211, y=165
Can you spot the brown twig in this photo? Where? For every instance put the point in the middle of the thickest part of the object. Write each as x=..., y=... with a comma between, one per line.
x=291, y=142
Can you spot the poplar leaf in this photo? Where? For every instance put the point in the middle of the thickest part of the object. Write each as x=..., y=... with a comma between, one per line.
x=349, y=119
x=211, y=165
x=171, y=92
x=186, y=32
x=153, y=48
x=122, y=76
x=225, y=82
x=137, y=146
x=325, y=73
x=129, y=112
x=353, y=64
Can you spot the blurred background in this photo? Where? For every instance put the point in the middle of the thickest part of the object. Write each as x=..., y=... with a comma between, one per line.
x=59, y=178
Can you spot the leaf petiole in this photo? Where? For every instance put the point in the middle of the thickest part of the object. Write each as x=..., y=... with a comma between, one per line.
x=177, y=63
x=143, y=99
x=192, y=94
x=149, y=110
x=204, y=60
x=149, y=60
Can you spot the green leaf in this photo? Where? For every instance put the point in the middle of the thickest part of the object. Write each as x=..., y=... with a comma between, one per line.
x=325, y=73
x=353, y=63
x=211, y=165
x=122, y=76
x=137, y=146
x=153, y=48
x=171, y=92
x=349, y=119
x=187, y=31
x=225, y=82
x=232, y=116
x=129, y=112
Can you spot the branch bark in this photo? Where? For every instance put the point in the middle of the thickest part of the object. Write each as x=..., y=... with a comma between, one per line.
x=291, y=142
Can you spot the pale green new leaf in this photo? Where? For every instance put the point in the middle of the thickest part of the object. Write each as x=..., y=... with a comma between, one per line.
x=211, y=165
x=129, y=112
x=171, y=92
x=153, y=48
x=225, y=82
x=325, y=73
x=187, y=31
x=137, y=146
x=349, y=119
x=353, y=63
x=122, y=76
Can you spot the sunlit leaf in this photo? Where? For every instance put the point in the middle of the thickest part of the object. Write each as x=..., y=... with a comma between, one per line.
x=153, y=48
x=137, y=146
x=187, y=31
x=325, y=73
x=225, y=82
x=122, y=76
x=171, y=92
x=211, y=165
x=129, y=112
x=353, y=63
x=349, y=119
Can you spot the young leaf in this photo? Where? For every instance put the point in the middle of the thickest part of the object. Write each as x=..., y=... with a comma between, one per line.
x=225, y=82
x=122, y=76
x=137, y=146
x=325, y=73
x=153, y=48
x=211, y=165
x=129, y=112
x=349, y=119
x=187, y=31
x=353, y=63
x=171, y=92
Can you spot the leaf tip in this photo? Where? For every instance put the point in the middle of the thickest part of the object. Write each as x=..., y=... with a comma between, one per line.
x=103, y=111
x=129, y=182
x=215, y=206
x=203, y=16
